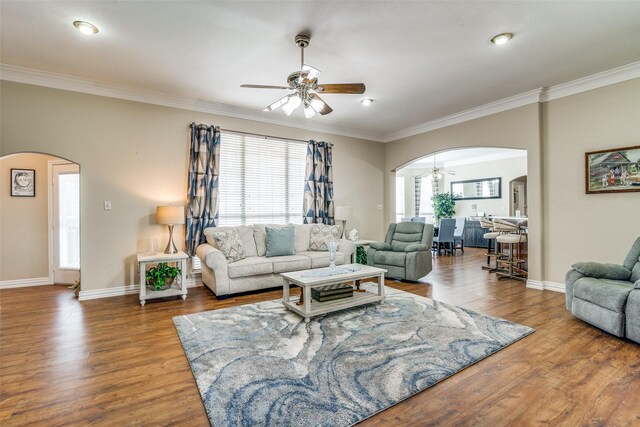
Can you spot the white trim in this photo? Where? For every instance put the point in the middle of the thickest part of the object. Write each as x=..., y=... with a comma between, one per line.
x=23, y=283
x=76, y=84
x=122, y=290
x=501, y=105
x=595, y=81
x=50, y=216
x=31, y=76
x=546, y=286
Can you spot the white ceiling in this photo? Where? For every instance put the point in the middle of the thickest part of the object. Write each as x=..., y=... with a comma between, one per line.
x=419, y=60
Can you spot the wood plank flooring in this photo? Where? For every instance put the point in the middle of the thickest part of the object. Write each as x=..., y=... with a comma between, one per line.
x=112, y=362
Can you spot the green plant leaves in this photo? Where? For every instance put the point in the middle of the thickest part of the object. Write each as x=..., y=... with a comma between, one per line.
x=157, y=276
x=443, y=205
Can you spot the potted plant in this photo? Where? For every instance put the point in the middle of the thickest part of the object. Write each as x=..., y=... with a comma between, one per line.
x=161, y=277
x=443, y=206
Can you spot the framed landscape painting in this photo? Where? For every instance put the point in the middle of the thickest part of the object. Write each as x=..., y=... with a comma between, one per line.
x=613, y=171
x=23, y=183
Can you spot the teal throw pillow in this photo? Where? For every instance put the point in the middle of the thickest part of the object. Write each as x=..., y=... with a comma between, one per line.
x=280, y=241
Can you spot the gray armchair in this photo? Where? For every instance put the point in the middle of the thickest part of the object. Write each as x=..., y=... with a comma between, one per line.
x=607, y=295
x=405, y=252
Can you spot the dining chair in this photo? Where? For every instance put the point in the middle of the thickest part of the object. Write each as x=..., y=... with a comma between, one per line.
x=458, y=235
x=445, y=238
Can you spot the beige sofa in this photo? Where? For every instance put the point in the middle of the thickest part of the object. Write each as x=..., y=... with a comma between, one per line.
x=256, y=271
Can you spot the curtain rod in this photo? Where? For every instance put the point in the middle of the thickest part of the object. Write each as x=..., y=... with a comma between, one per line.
x=263, y=136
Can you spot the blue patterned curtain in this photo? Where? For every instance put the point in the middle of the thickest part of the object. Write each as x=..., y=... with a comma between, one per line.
x=202, y=198
x=318, y=186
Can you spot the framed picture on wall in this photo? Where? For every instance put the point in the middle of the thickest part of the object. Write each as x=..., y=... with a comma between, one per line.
x=613, y=171
x=23, y=183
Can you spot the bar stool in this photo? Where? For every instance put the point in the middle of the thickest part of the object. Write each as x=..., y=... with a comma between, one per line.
x=489, y=236
x=511, y=234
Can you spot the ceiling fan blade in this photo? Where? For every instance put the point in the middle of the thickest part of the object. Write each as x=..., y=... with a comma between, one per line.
x=265, y=87
x=308, y=73
x=319, y=105
x=354, y=88
x=279, y=103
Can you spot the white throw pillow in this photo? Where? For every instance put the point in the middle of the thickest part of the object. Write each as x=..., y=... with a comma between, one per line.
x=321, y=234
x=230, y=244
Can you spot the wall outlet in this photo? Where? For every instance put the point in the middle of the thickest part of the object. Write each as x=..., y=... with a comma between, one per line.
x=107, y=205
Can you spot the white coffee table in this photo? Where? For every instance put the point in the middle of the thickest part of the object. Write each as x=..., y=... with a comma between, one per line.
x=311, y=308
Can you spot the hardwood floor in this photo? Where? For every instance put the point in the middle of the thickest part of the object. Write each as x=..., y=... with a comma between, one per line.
x=112, y=362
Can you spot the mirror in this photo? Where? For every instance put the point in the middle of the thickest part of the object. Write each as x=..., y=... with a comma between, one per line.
x=486, y=188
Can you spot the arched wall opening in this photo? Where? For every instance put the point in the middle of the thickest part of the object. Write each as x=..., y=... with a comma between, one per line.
x=479, y=178
x=40, y=220
x=517, y=128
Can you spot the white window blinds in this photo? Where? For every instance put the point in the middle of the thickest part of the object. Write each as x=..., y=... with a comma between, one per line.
x=261, y=180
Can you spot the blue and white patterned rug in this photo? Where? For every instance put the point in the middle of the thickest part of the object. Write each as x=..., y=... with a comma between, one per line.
x=259, y=365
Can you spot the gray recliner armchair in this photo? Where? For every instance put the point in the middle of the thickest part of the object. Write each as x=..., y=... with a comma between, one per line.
x=405, y=252
x=607, y=295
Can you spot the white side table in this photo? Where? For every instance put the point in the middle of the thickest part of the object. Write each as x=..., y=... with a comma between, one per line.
x=179, y=288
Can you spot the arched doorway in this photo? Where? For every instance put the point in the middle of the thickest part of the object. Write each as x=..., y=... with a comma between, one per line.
x=40, y=220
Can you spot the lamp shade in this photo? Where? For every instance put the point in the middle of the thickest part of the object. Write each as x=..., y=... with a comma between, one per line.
x=343, y=213
x=170, y=215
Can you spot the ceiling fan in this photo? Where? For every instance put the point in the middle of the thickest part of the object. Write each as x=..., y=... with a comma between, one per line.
x=306, y=89
x=437, y=172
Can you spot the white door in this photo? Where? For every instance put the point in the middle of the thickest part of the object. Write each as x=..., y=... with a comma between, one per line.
x=66, y=222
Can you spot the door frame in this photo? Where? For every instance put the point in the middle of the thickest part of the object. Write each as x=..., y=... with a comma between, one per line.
x=50, y=214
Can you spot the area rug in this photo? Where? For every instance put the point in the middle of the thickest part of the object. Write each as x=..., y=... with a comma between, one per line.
x=260, y=365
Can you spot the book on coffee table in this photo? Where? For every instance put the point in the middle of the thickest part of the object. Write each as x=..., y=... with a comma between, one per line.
x=332, y=292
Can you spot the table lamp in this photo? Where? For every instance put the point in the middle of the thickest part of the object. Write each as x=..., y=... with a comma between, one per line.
x=170, y=215
x=343, y=213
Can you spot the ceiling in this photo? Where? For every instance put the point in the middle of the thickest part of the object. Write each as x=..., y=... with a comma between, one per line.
x=420, y=61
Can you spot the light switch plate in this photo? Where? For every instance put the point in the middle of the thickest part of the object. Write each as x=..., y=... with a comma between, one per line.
x=107, y=205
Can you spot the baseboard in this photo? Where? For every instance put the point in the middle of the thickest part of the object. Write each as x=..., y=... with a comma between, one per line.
x=119, y=291
x=23, y=283
x=545, y=286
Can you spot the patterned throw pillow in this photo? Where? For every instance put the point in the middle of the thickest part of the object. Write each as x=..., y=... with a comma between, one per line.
x=321, y=234
x=230, y=244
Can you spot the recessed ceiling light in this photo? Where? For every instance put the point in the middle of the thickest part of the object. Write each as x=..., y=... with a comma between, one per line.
x=501, y=38
x=366, y=101
x=85, y=27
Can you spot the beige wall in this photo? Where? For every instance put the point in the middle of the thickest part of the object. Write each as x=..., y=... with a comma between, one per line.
x=24, y=247
x=579, y=226
x=135, y=155
x=516, y=128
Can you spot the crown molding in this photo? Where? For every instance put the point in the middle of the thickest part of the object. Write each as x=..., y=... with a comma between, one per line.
x=31, y=76
x=526, y=98
x=77, y=84
x=595, y=81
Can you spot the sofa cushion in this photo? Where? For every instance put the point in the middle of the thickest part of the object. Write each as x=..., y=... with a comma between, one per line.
x=389, y=258
x=246, y=237
x=260, y=237
x=603, y=271
x=321, y=234
x=282, y=264
x=280, y=241
x=250, y=266
x=405, y=234
x=229, y=244
x=633, y=255
x=321, y=259
x=635, y=272
x=303, y=233
x=610, y=294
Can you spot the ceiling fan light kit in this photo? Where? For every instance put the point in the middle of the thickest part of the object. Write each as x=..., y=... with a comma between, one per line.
x=306, y=88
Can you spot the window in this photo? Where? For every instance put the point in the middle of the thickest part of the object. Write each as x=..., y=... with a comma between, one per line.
x=426, y=194
x=69, y=220
x=399, y=198
x=261, y=180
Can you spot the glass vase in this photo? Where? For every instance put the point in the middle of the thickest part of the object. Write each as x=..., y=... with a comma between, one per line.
x=333, y=247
